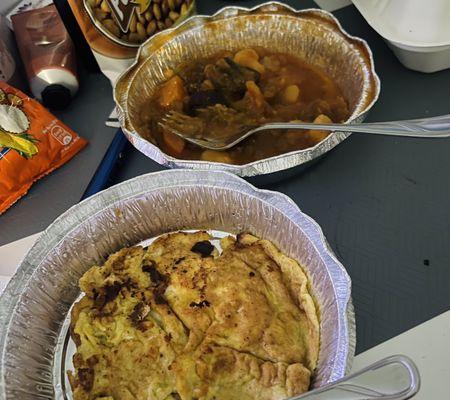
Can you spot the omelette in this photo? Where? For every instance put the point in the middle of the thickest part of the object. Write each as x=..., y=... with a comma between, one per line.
x=181, y=320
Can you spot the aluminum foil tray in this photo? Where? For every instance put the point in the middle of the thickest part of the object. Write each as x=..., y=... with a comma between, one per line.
x=34, y=341
x=313, y=35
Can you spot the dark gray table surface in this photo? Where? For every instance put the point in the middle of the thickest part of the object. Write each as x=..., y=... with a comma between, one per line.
x=55, y=193
x=382, y=202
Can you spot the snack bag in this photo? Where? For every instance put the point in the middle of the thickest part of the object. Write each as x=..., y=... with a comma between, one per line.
x=33, y=143
x=114, y=29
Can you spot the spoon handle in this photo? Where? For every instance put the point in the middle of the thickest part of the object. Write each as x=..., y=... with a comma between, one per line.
x=425, y=127
x=392, y=378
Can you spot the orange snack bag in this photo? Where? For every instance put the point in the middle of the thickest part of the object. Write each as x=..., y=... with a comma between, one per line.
x=33, y=142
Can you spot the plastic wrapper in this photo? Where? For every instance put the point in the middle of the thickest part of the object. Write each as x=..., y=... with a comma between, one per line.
x=33, y=142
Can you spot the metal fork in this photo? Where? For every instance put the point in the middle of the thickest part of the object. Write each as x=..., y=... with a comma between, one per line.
x=179, y=124
x=392, y=378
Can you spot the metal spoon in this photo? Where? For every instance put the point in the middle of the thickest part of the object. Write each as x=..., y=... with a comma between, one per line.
x=392, y=378
x=435, y=127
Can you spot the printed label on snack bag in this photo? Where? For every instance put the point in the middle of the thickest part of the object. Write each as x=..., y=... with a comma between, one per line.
x=61, y=135
x=3, y=152
x=14, y=124
x=32, y=144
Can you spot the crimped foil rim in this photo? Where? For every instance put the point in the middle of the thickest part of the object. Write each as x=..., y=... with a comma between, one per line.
x=138, y=186
x=264, y=166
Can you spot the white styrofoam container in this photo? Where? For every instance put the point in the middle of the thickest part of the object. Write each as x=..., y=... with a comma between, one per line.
x=417, y=31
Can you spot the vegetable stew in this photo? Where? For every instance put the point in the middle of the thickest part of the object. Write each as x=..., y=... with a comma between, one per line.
x=231, y=90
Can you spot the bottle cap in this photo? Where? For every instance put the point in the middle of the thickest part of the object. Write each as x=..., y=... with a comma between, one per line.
x=56, y=96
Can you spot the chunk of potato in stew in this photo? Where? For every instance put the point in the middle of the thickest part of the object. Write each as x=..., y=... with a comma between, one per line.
x=231, y=90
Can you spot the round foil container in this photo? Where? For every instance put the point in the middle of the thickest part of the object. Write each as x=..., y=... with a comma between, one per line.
x=313, y=35
x=34, y=309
